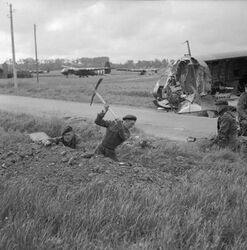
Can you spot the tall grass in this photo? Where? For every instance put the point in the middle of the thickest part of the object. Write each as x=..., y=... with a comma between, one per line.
x=208, y=212
x=29, y=124
x=200, y=202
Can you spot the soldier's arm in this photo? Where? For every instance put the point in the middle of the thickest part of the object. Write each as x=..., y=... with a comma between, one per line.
x=99, y=119
x=55, y=140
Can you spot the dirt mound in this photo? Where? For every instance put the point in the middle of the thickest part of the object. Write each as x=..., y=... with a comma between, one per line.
x=147, y=160
x=55, y=165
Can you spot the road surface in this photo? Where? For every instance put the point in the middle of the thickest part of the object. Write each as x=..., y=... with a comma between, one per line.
x=151, y=121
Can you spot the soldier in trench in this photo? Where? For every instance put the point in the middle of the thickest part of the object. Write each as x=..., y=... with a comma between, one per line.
x=227, y=127
x=68, y=138
x=117, y=132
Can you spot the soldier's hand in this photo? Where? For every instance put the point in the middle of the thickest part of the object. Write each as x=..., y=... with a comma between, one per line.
x=47, y=142
x=106, y=107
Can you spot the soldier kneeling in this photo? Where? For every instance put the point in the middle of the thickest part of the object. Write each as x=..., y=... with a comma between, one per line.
x=227, y=126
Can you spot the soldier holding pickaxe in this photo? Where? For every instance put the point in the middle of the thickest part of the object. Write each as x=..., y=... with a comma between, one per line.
x=117, y=130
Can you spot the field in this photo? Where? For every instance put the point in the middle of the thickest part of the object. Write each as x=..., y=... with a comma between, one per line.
x=168, y=195
x=123, y=88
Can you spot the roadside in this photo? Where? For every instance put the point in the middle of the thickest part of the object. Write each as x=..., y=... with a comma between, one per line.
x=152, y=122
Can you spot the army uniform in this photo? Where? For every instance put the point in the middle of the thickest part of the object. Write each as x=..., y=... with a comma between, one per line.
x=74, y=143
x=242, y=113
x=116, y=134
x=227, y=129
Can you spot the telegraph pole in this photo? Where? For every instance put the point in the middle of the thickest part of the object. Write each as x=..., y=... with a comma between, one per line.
x=36, y=54
x=13, y=46
x=188, y=45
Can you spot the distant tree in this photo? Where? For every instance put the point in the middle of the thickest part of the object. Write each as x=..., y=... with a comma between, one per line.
x=91, y=62
x=157, y=63
x=56, y=64
x=27, y=63
x=129, y=64
x=165, y=63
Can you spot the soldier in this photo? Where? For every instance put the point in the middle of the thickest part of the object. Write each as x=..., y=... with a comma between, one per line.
x=68, y=138
x=242, y=112
x=117, y=132
x=226, y=126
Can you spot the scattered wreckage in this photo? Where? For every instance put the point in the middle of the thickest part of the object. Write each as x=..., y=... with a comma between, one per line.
x=188, y=89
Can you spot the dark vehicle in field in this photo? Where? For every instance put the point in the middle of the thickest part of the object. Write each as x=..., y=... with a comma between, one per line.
x=85, y=72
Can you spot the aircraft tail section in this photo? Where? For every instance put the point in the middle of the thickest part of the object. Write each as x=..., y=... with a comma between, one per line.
x=107, y=67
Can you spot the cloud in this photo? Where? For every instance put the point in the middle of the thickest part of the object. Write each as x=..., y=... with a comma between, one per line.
x=125, y=30
x=55, y=25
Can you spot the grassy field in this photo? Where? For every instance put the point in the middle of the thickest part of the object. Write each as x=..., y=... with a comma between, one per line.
x=123, y=88
x=170, y=196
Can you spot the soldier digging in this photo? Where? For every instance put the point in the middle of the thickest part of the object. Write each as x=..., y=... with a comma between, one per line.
x=117, y=132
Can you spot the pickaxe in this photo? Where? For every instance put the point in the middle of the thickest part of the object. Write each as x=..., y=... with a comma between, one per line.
x=100, y=97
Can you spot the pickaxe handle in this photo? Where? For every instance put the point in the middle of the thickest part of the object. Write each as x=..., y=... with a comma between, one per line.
x=104, y=102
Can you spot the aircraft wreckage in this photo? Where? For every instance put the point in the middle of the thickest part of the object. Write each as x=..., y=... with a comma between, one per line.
x=188, y=89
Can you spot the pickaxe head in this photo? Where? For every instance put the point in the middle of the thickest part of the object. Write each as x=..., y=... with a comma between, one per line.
x=95, y=89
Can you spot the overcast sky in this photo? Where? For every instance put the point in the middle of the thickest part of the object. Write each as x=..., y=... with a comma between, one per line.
x=122, y=30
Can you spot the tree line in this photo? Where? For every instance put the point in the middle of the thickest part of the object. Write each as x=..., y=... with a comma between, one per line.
x=58, y=63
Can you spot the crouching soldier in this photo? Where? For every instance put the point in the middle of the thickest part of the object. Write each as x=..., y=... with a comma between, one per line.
x=226, y=126
x=68, y=138
x=117, y=132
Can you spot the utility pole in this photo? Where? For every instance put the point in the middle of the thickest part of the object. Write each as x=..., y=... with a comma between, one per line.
x=36, y=54
x=13, y=47
x=188, y=45
x=193, y=69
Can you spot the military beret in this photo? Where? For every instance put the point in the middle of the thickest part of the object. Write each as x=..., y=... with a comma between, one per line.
x=221, y=102
x=66, y=130
x=130, y=117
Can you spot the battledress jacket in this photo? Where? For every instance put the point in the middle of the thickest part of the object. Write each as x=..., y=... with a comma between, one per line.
x=242, y=107
x=116, y=132
x=75, y=143
x=227, y=130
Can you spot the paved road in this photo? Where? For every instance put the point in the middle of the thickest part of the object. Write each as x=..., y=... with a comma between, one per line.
x=151, y=121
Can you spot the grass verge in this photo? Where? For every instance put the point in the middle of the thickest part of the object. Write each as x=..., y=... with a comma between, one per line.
x=171, y=196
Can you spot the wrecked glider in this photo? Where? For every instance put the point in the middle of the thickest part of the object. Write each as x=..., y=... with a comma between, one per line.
x=188, y=89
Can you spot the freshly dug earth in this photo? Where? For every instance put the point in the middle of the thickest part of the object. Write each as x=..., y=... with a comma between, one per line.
x=59, y=165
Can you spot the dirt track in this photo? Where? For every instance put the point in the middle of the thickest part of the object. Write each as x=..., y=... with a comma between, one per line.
x=151, y=121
